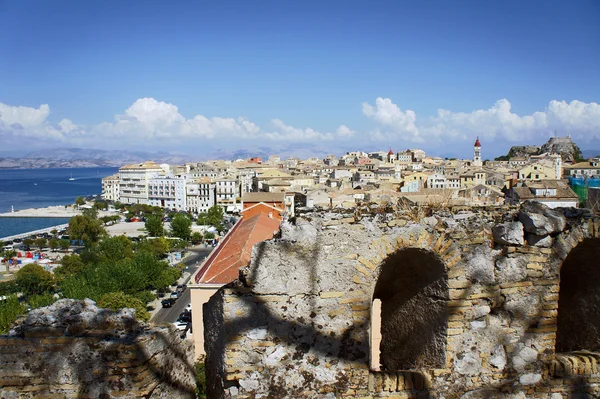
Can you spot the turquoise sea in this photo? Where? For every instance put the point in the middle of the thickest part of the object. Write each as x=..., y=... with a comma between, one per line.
x=39, y=188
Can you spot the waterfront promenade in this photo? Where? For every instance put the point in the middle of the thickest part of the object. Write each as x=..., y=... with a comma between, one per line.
x=35, y=232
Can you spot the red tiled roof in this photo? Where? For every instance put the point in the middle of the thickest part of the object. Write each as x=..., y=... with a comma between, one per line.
x=234, y=252
x=477, y=143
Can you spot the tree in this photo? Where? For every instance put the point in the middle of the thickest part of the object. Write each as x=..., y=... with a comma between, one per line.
x=79, y=201
x=209, y=236
x=9, y=310
x=196, y=237
x=157, y=246
x=28, y=242
x=215, y=217
x=41, y=242
x=54, y=232
x=154, y=226
x=181, y=226
x=33, y=279
x=9, y=253
x=54, y=244
x=64, y=244
x=100, y=205
x=119, y=300
x=112, y=249
x=70, y=265
x=86, y=228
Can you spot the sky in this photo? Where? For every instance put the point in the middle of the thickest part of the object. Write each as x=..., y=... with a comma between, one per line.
x=197, y=77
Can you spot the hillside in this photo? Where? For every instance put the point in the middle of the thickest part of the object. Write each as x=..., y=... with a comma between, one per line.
x=564, y=146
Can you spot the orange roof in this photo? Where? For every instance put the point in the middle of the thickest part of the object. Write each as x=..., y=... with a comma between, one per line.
x=477, y=143
x=236, y=249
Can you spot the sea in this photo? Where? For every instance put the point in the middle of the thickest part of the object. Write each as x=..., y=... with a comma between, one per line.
x=39, y=188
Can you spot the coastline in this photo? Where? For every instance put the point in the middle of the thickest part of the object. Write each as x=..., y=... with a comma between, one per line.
x=35, y=232
x=56, y=211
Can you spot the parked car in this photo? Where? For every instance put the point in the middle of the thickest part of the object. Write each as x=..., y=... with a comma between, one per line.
x=167, y=303
x=181, y=287
x=180, y=325
x=185, y=319
x=174, y=295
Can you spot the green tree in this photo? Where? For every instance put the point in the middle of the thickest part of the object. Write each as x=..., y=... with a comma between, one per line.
x=28, y=242
x=154, y=226
x=91, y=213
x=119, y=300
x=156, y=246
x=54, y=232
x=70, y=265
x=79, y=201
x=112, y=249
x=64, y=244
x=181, y=226
x=215, y=217
x=39, y=301
x=100, y=205
x=10, y=308
x=33, y=279
x=196, y=237
x=54, y=244
x=41, y=242
x=9, y=253
x=86, y=228
x=209, y=236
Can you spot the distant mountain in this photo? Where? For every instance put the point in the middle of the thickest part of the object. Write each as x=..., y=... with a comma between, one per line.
x=590, y=153
x=84, y=158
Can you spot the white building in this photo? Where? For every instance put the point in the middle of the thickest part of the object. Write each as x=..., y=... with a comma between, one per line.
x=228, y=190
x=133, y=181
x=167, y=192
x=200, y=195
x=436, y=180
x=110, y=188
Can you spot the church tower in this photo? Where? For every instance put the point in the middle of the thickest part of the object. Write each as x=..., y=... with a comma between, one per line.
x=477, y=153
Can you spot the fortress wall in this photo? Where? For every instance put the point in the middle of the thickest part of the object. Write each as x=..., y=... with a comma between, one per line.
x=298, y=322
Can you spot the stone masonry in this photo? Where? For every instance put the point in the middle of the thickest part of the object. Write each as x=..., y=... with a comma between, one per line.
x=72, y=349
x=483, y=324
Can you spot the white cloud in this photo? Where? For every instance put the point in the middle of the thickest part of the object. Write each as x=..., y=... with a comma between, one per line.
x=154, y=122
x=395, y=123
x=345, y=131
x=23, y=116
x=580, y=120
x=285, y=132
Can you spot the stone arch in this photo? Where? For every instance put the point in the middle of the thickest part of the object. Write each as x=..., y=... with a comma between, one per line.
x=578, y=321
x=412, y=295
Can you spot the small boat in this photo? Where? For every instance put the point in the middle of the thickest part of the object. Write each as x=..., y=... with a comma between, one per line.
x=71, y=178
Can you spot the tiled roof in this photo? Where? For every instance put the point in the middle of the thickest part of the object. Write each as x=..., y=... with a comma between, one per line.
x=234, y=252
x=263, y=197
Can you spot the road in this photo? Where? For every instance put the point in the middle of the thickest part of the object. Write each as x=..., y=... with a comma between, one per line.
x=171, y=314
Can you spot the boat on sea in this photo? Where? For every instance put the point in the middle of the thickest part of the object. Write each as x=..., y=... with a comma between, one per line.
x=72, y=178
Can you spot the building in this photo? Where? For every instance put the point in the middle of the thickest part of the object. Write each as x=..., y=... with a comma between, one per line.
x=581, y=169
x=200, y=195
x=477, y=154
x=133, y=181
x=222, y=266
x=272, y=204
x=110, y=188
x=228, y=190
x=552, y=193
x=168, y=192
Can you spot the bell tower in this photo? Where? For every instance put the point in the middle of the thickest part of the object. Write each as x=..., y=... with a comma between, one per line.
x=477, y=153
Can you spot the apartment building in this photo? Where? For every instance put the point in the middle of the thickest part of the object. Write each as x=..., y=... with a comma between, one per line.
x=110, y=188
x=167, y=192
x=200, y=195
x=133, y=181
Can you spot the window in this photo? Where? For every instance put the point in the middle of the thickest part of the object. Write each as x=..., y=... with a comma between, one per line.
x=410, y=312
x=578, y=324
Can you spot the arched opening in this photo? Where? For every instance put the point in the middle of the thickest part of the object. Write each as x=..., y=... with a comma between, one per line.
x=413, y=290
x=578, y=324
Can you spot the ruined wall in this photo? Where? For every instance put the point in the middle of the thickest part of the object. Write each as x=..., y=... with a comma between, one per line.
x=297, y=323
x=72, y=349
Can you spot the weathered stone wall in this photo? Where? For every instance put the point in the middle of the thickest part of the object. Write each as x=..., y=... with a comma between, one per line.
x=297, y=323
x=72, y=349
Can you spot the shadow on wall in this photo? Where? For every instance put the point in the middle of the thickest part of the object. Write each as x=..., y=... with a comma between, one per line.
x=420, y=344
x=93, y=353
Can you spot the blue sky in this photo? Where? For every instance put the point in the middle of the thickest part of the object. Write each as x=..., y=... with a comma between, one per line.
x=340, y=75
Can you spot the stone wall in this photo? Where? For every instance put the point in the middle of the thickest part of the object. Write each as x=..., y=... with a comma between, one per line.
x=72, y=349
x=297, y=323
